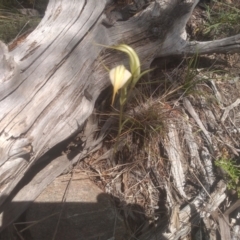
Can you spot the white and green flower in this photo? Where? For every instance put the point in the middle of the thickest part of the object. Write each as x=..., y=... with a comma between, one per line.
x=119, y=77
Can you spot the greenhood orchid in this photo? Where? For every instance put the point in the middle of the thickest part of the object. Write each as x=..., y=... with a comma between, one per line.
x=123, y=79
x=118, y=76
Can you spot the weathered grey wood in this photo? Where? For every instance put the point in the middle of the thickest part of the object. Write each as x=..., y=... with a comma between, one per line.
x=42, y=178
x=44, y=80
x=43, y=103
x=42, y=174
x=188, y=215
x=226, y=45
x=173, y=148
x=193, y=113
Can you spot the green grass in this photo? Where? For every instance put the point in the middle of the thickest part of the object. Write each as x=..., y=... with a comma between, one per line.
x=13, y=23
x=232, y=171
x=223, y=20
x=149, y=113
x=189, y=79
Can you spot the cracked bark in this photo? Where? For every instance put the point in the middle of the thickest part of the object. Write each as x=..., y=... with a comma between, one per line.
x=44, y=79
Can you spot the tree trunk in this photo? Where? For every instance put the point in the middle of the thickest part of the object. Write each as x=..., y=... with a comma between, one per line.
x=51, y=80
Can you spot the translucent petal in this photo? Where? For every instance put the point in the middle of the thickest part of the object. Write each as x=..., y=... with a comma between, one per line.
x=118, y=76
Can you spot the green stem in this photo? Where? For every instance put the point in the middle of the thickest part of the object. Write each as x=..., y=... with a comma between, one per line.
x=120, y=120
x=120, y=127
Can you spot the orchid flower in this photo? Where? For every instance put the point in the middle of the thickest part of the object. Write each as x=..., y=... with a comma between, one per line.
x=125, y=80
x=118, y=76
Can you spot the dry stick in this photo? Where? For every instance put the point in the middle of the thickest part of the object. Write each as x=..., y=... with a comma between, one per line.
x=138, y=182
x=18, y=233
x=232, y=208
x=21, y=30
x=217, y=94
x=201, y=184
x=36, y=222
x=234, y=150
x=86, y=213
x=224, y=116
x=234, y=125
x=115, y=222
x=205, y=189
x=187, y=104
x=63, y=201
x=230, y=107
x=223, y=214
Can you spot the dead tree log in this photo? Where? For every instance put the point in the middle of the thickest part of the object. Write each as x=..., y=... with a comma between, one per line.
x=50, y=82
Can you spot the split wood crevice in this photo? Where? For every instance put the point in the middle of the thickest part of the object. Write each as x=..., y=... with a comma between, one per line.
x=50, y=82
